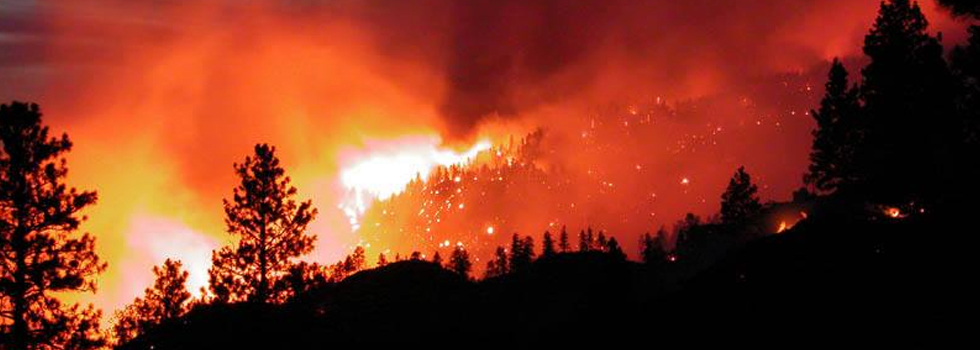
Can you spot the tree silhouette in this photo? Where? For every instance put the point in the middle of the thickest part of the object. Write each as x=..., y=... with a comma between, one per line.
x=837, y=134
x=612, y=248
x=739, y=202
x=653, y=249
x=521, y=253
x=302, y=277
x=459, y=262
x=382, y=260
x=908, y=96
x=436, y=258
x=547, y=245
x=601, y=241
x=166, y=300
x=271, y=229
x=42, y=252
x=563, y=241
x=498, y=266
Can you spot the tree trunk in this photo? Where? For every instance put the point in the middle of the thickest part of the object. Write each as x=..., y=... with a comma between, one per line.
x=263, y=292
x=20, y=330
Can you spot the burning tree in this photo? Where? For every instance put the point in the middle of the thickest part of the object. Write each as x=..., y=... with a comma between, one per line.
x=271, y=229
x=42, y=252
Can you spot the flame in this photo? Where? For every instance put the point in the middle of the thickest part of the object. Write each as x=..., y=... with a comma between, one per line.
x=783, y=226
x=384, y=171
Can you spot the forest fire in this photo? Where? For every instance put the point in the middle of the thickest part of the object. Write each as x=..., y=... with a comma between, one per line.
x=388, y=167
x=481, y=137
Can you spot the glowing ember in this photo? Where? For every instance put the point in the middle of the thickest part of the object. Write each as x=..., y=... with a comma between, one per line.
x=490, y=230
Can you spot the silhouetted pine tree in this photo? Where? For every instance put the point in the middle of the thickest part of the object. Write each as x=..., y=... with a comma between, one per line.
x=41, y=252
x=436, y=258
x=459, y=262
x=908, y=94
x=521, y=253
x=583, y=241
x=166, y=300
x=563, y=241
x=683, y=230
x=382, y=260
x=612, y=248
x=498, y=266
x=739, y=203
x=837, y=134
x=547, y=245
x=601, y=241
x=271, y=229
x=653, y=249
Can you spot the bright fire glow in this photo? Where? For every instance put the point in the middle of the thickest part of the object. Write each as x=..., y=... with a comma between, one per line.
x=383, y=171
x=783, y=226
x=894, y=213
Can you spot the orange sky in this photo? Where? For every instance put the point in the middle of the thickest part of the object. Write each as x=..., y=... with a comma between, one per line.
x=160, y=99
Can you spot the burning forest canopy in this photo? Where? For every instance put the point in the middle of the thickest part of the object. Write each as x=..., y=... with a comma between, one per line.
x=423, y=125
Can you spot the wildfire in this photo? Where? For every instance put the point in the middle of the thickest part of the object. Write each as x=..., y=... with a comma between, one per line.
x=380, y=173
x=783, y=226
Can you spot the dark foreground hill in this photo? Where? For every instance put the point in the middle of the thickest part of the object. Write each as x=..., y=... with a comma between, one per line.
x=873, y=276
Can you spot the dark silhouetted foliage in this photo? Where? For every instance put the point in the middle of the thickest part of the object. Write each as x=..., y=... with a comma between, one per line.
x=42, y=252
x=653, y=249
x=459, y=262
x=270, y=227
x=547, y=245
x=563, y=244
x=739, y=203
x=166, y=300
x=908, y=96
x=837, y=134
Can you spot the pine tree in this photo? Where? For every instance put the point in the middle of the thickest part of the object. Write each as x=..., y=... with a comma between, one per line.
x=837, y=134
x=908, y=95
x=271, y=229
x=436, y=258
x=42, y=252
x=583, y=241
x=521, y=253
x=563, y=241
x=612, y=248
x=601, y=241
x=547, y=245
x=739, y=203
x=166, y=300
x=498, y=266
x=382, y=260
x=459, y=262
x=653, y=249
